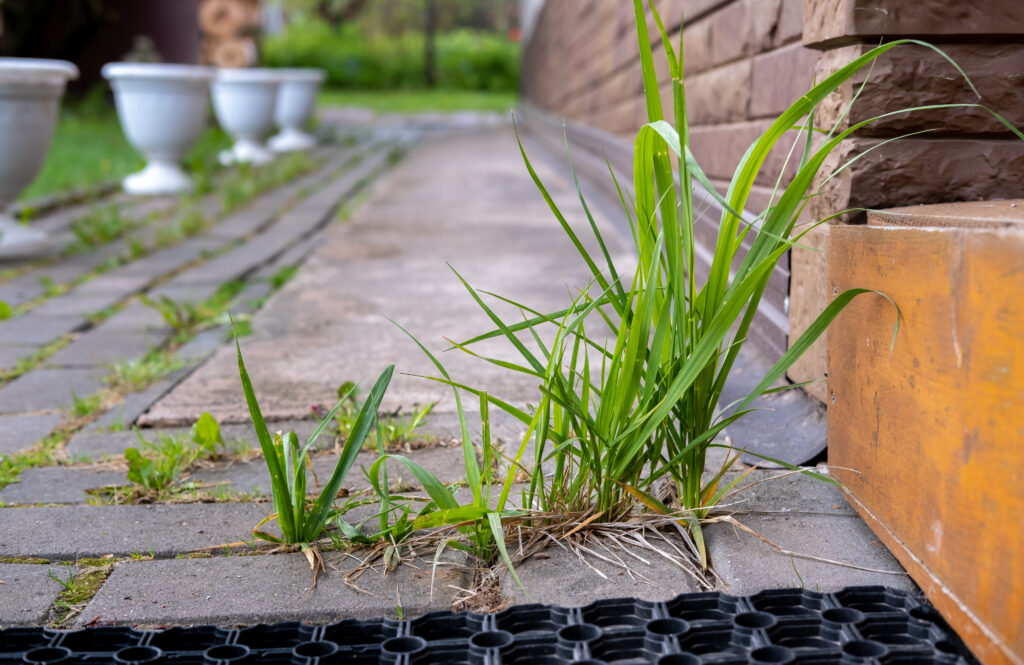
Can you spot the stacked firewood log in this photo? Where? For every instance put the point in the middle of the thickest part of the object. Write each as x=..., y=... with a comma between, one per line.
x=229, y=29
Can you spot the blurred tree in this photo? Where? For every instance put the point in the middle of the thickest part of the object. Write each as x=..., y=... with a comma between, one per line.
x=391, y=17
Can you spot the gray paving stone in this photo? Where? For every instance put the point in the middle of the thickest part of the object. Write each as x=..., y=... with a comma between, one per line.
x=21, y=289
x=268, y=588
x=134, y=405
x=786, y=492
x=246, y=221
x=102, y=347
x=72, y=532
x=28, y=592
x=58, y=484
x=34, y=330
x=50, y=389
x=166, y=260
x=135, y=316
x=203, y=345
x=119, y=282
x=560, y=577
x=20, y=432
x=445, y=463
x=76, y=304
x=11, y=355
x=180, y=291
x=95, y=445
x=747, y=564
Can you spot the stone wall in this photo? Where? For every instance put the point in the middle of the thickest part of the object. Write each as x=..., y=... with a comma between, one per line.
x=746, y=60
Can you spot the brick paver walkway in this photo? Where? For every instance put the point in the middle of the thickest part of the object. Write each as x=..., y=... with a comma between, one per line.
x=460, y=197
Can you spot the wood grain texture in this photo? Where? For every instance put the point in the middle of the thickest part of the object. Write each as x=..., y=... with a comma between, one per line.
x=929, y=437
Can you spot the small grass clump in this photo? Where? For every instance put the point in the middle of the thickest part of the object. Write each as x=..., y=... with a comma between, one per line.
x=78, y=590
x=303, y=522
x=82, y=407
x=395, y=429
x=139, y=373
x=101, y=225
x=187, y=318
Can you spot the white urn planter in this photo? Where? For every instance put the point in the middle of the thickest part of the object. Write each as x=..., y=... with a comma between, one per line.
x=296, y=97
x=243, y=101
x=163, y=109
x=30, y=92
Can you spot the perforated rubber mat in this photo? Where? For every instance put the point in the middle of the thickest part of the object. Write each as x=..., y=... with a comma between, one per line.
x=855, y=626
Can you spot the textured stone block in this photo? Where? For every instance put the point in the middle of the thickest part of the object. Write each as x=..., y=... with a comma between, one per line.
x=830, y=22
x=909, y=76
x=28, y=592
x=20, y=432
x=911, y=171
x=49, y=389
x=779, y=78
x=722, y=94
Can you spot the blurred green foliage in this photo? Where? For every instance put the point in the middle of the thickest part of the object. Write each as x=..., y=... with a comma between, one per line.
x=466, y=59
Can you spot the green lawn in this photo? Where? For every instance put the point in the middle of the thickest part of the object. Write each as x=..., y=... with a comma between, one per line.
x=89, y=148
x=413, y=101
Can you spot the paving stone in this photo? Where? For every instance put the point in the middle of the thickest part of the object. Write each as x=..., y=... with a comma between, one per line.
x=33, y=330
x=247, y=221
x=11, y=355
x=135, y=404
x=166, y=260
x=50, y=389
x=561, y=577
x=445, y=463
x=72, y=532
x=94, y=445
x=20, y=432
x=266, y=589
x=21, y=289
x=118, y=281
x=767, y=491
x=203, y=345
x=135, y=316
x=28, y=592
x=179, y=291
x=58, y=484
x=327, y=324
x=76, y=304
x=103, y=347
x=747, y=564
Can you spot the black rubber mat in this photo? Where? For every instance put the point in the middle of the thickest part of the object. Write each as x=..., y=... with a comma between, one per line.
x=855, y=626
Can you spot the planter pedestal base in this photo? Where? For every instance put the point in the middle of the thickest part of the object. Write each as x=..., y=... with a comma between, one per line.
x=158, y=178
x=246, y=151
x=18, y=241
x=290, y=139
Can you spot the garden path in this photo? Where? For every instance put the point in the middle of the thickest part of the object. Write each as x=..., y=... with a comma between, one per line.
x=459, y=197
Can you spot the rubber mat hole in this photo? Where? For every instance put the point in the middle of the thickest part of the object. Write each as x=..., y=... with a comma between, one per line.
x=227, y=652
x=491, y=639
x=667, y=627
x=47, y=655
x=843, y=615
x=315, y=649
x=580, y=632
x=410, y=644
x=679, y=659
x=772, y=654
x=865, y=649
x=137, y=655
x=754, y=620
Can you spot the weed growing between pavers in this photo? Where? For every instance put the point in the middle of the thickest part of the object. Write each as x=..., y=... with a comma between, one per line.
x=158, y=470
x=250, y=181
x=188, y=318
x=139, y=373
x=397, y=432
x=79, y=589
x=302, y=524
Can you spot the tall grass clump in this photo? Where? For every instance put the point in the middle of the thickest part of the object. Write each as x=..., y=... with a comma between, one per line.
x=631, y=372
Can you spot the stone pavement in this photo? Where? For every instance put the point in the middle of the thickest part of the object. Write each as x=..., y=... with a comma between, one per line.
x=457, y=197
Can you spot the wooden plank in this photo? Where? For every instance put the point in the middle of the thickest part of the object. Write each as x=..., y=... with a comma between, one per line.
x=928, y=436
